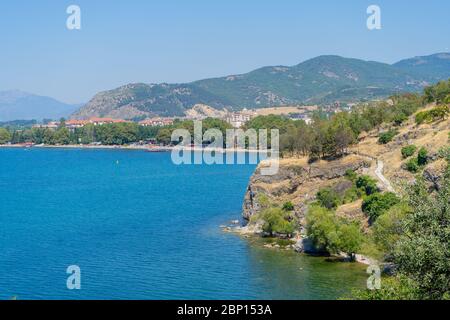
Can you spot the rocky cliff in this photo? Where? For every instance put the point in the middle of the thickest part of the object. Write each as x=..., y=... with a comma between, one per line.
x=298, y=181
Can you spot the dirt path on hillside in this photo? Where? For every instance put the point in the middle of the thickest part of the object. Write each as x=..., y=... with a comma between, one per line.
x=378, y=172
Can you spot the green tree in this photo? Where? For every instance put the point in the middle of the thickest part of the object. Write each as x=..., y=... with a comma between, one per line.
x=213, y=123
x=62, y=136
x=388, y=228
x=164, y=136
x=392, y=288
x=438, y=92
x=5, y=136
x=332, y=234
x=339, y=135
x=62, y=123
x=436, y=114
x=322, y=228
x=288, y=141
x=38, y=135
x=270, y=122
x=276, y=221
x=350, y=239
x=49, y=137
x=423, y=253
x=305, y=138
x=86, y=134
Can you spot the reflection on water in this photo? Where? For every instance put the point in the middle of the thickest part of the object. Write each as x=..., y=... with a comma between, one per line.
x=285, y=274
x=295, y=276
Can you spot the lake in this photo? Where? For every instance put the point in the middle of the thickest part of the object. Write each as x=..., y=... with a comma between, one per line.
x=140, y=227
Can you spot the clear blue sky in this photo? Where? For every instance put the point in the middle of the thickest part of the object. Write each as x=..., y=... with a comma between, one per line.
x=185, y=40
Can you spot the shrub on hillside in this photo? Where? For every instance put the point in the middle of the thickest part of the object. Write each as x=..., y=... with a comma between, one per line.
x=387, y=136
x=351, y=175
x=367, y=184
x=400, y=118
x=377, y=204
x=422, y=117
x=288, y=206
x=415, y=164
x=422, y=157
x=263, y=201
x=444, y=153
x=408, y=151
x=412, y=165
x=328, y=198
x=352, y=194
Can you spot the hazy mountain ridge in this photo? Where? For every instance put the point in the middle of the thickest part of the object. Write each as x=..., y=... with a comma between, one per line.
x=435, y=66
x=324, y=79
x=20, y=105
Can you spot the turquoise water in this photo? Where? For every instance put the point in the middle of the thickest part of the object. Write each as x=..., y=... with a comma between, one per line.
x=140, y=227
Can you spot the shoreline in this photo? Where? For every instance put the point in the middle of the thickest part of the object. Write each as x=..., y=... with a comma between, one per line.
x=253, y=232
x=129, y=147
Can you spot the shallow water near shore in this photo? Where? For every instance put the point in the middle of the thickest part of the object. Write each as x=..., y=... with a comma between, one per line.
x=140, y=227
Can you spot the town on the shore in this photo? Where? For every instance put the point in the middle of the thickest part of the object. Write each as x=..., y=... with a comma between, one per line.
x=236, y=119
x=149, y=132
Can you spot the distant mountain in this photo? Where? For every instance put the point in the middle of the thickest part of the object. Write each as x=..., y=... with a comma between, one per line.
x=135, y=100
x=324, y=79
x=19, y=105
x=434, y=67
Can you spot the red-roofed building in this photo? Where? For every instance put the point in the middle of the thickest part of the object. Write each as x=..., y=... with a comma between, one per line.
x=100, y=121
x=73, y=124
x=156, y=122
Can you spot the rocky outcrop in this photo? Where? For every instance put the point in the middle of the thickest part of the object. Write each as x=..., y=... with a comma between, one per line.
x=306, y=245
x=434, y=174
x=201, y=111
x=297, y=181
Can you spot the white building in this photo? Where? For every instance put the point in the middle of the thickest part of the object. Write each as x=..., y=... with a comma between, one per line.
x=238, y=119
